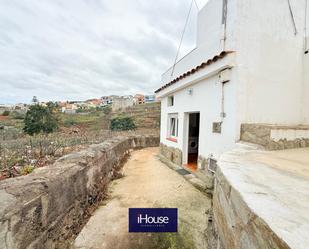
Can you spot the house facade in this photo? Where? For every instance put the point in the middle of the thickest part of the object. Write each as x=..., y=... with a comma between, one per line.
x=122, y=102
x=248, y=74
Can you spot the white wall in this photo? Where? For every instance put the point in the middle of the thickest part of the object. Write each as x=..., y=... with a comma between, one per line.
x=206, y=99
x=209, y=38
x=270, y=62
x=306, y=89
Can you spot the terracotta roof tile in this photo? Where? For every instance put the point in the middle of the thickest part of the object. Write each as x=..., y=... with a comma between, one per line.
x=193, y=70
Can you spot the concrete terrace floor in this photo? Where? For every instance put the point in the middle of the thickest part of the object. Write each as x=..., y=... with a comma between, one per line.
x=275, y=186
x=147, y=183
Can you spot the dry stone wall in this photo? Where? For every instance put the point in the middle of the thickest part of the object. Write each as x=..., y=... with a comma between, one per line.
x=45, y=208
x=275, y=137
x=171, y=154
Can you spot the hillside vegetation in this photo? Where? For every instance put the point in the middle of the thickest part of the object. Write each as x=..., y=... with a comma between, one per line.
x=21, y=154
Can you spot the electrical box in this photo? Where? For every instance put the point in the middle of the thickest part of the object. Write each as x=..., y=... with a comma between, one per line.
x=225, y=75
x=216, y=127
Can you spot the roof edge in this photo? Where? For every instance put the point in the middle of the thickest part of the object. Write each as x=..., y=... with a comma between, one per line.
x=219, y=56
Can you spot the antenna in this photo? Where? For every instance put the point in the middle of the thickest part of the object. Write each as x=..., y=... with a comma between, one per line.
x=292, y=16
x=182, y=35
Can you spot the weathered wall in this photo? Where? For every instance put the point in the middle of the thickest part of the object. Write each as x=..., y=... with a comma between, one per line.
x=276, y=137
x=172, y=154
x=270, y=62
x=43, y=209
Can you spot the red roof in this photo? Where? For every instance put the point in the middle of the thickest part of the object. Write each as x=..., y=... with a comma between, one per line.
x=193, y=70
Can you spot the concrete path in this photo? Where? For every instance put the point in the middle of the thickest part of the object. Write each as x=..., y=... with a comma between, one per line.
x=147, y=183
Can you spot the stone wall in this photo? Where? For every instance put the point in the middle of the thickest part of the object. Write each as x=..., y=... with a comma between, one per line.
x=172, y=154
x=236, y=226
x=45, y=208
x=275, y=137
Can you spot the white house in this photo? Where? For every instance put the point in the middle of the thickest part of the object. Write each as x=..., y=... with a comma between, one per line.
x=250, y=66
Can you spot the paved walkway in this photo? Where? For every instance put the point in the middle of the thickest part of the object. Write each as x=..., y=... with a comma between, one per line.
x=147, y=183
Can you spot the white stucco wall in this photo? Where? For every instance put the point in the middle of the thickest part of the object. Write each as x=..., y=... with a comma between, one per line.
x=270, y=62
x=305, y=109
x=270, y=75
x=209, y=38
x=206, y=99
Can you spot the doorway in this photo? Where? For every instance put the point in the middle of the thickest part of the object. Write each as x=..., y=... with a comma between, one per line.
x=193, y=140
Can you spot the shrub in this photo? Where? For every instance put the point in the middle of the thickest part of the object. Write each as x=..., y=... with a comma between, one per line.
x=106, y=110
x=70, y=122
x=17, y=115
x=6, y=113
x=122, y=124
x=27, y=169
x=40, y=119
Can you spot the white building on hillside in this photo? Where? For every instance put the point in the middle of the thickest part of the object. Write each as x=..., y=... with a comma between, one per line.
x=250, y=66
x=122, y=102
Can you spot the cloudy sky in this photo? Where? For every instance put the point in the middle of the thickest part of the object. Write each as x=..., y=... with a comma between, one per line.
x=79, y=49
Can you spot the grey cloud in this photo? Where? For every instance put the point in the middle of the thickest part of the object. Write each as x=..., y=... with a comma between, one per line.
x=77, y=49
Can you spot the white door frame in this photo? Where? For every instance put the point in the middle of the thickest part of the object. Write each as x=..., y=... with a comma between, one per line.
x=186, y=136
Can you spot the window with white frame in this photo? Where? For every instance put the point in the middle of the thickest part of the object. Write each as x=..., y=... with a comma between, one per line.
x=173, y=125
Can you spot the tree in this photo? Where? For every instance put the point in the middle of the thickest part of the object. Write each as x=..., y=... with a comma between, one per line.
x=6, y=113
x=52, y=106
x=40, y=119
x=35, y=99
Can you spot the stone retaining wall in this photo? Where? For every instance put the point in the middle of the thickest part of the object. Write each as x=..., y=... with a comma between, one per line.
x=44, y=209
x=236, y=226
x=172, y=154
x=275, y=137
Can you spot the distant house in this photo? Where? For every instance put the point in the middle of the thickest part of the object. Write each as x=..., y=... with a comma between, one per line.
x=150, y=98
x=122, y=102
x=108, y=100
x=69, y=108
x=250, y=68
x=139, y=99
x=94, y=102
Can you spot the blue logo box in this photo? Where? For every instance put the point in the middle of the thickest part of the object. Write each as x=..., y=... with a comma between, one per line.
x=153, y=220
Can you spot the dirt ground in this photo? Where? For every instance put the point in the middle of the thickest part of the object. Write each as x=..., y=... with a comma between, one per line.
x=147, y=183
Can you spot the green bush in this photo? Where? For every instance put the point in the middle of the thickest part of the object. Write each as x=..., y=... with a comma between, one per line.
x=106, y=110
x=40, y=119
x=6, y=113
x=122, y=124
x=70, y=122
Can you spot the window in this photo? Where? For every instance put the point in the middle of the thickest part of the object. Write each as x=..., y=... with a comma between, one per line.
x=173, y=126
x=170, y=101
